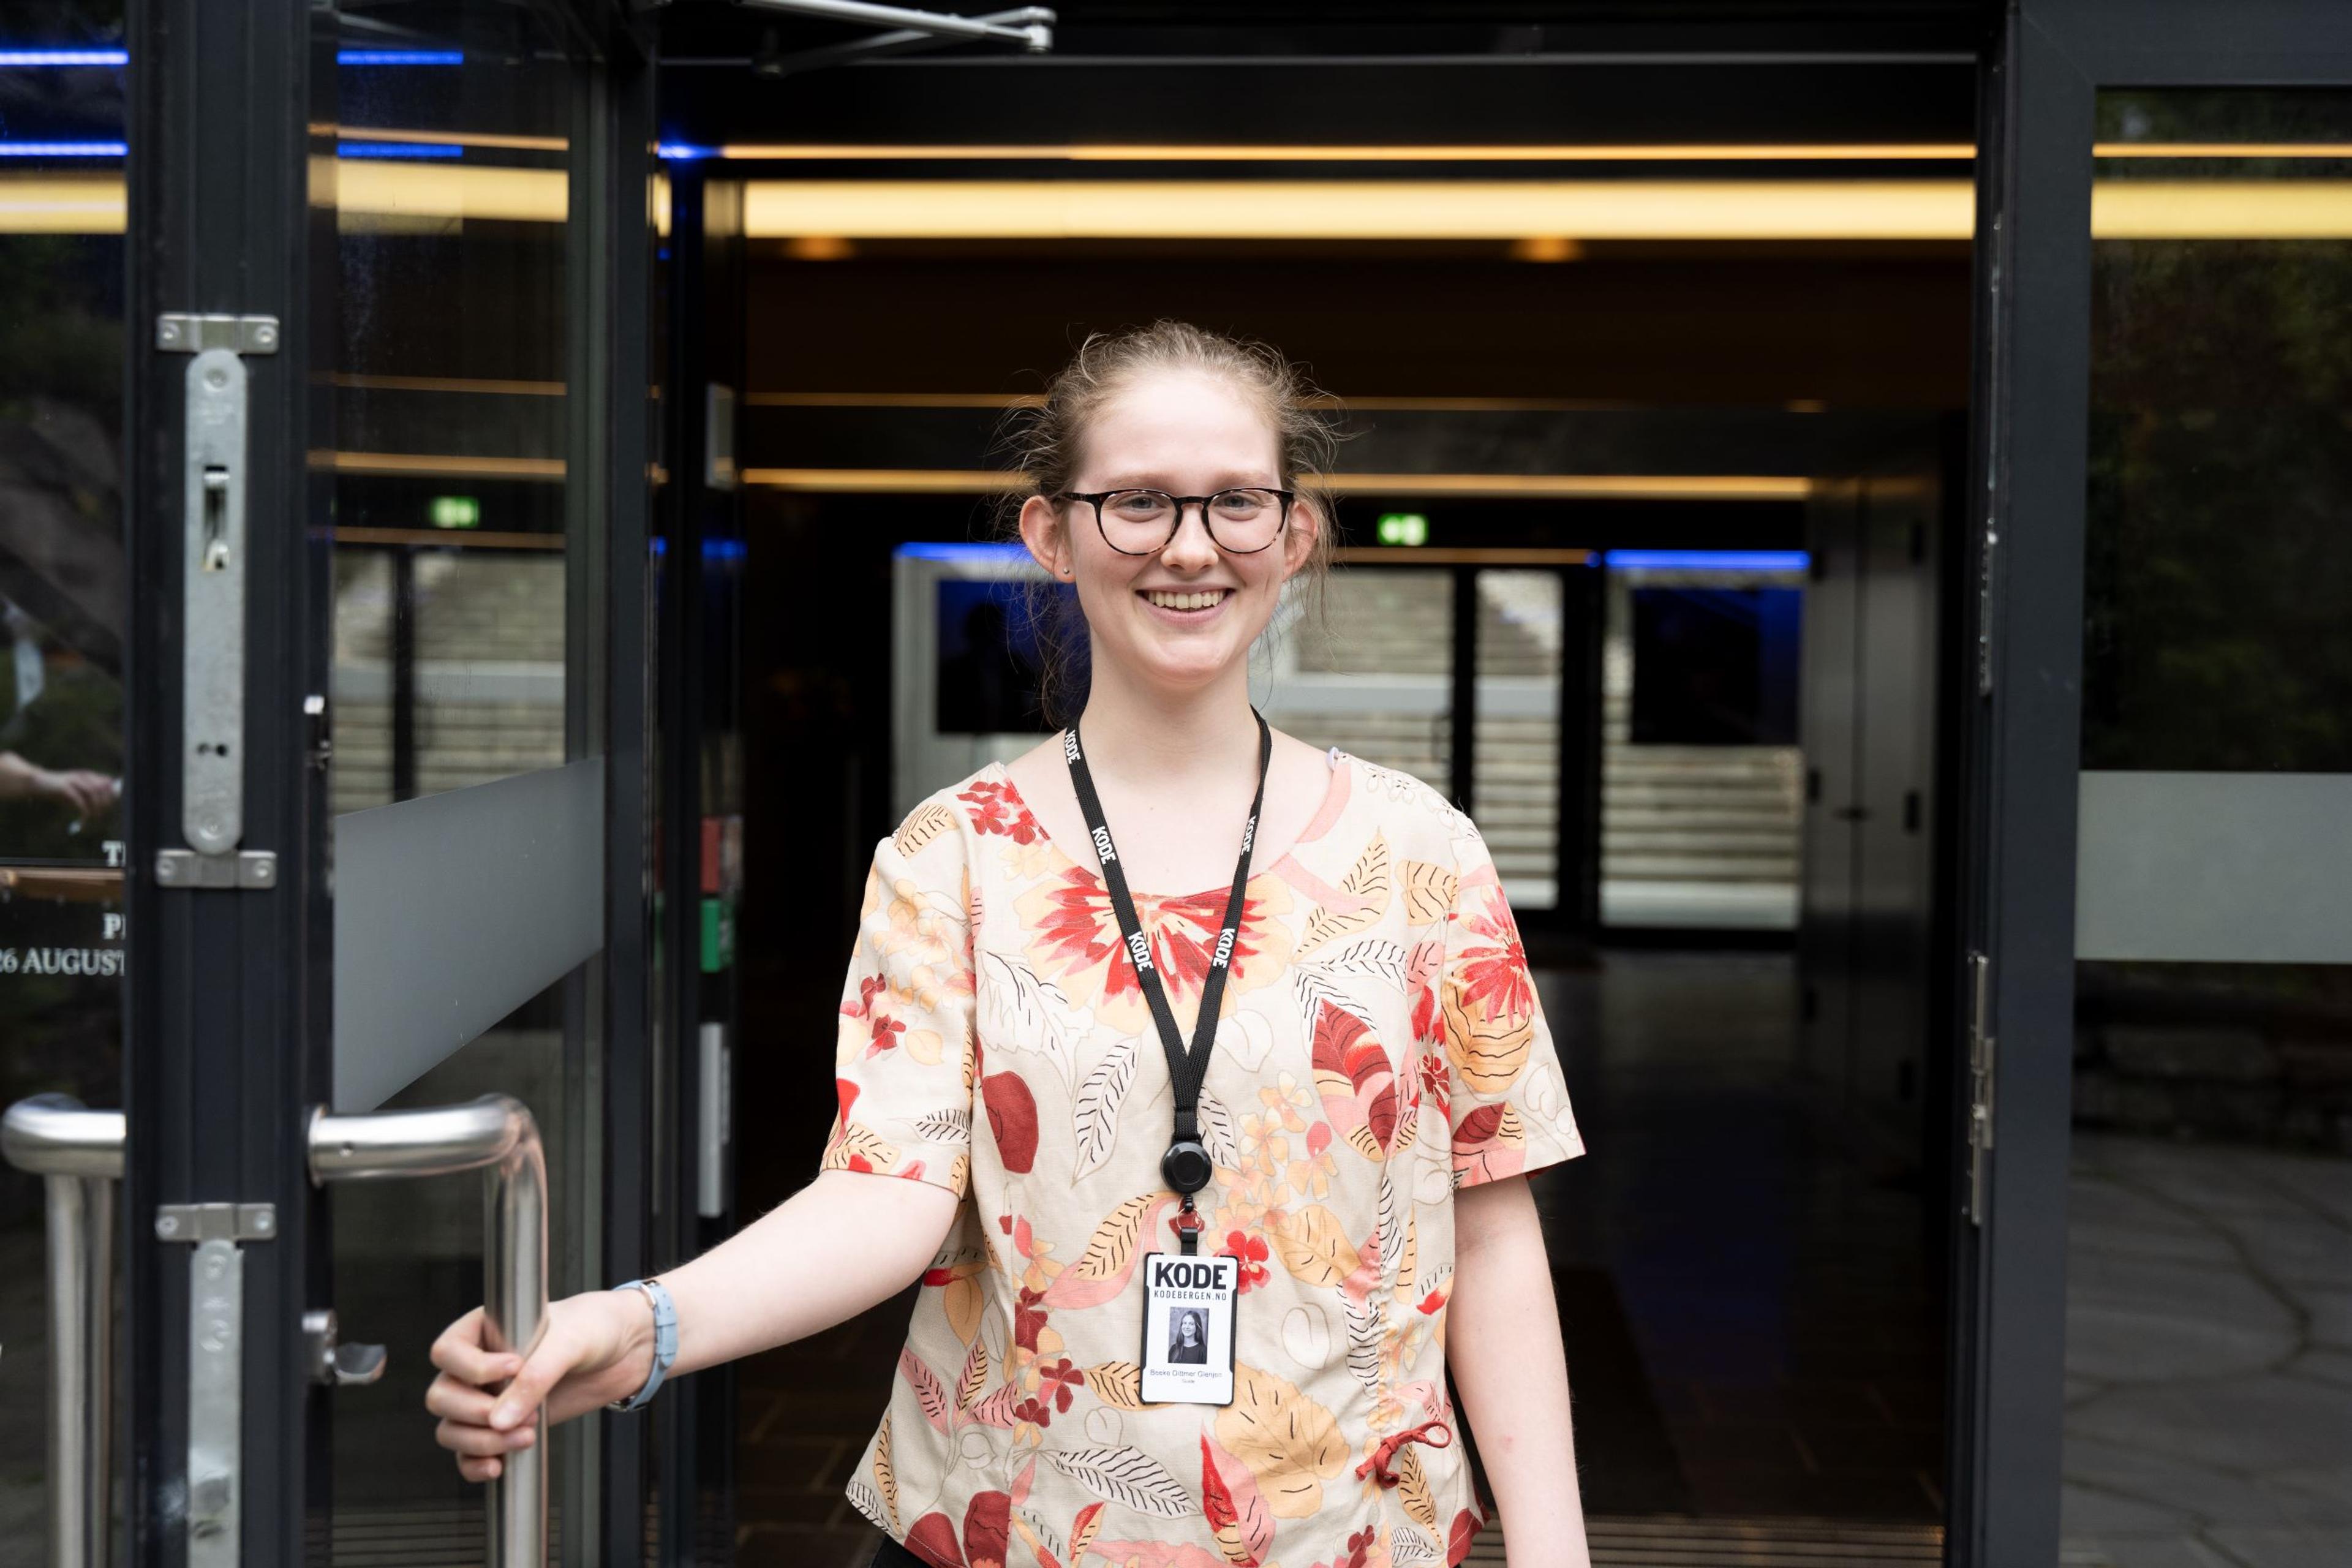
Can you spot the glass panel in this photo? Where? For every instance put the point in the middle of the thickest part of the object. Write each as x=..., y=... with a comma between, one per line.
x=62, y=596
x=2208, y=1353
x=1384, y=691
x=1522, y=618
x=464, y=653
x=1702, y=791
x=449, y=404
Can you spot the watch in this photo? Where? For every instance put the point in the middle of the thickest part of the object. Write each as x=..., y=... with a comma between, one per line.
x=665, y=1340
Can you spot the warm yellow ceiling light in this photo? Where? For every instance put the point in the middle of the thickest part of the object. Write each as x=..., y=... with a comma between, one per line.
x=1140, y=153
x=1551, y=217
x=1507, y=487
x=2221, y=209
x=1385, y=209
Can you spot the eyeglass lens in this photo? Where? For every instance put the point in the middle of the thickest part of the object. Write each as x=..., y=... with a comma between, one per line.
x=1139, y=521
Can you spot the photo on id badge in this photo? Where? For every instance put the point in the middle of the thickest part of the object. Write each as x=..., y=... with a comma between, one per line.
x=1188, y=1329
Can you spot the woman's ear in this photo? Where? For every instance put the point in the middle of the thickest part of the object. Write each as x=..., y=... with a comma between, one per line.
x=1299, y=539
x=1049, y=540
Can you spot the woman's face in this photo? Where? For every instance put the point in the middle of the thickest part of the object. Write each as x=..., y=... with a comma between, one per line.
x=1190, y=1329
x=1178, y=619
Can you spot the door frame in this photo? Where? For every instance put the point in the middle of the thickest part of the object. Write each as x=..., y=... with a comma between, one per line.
x=2041, y=79
x=228, y=996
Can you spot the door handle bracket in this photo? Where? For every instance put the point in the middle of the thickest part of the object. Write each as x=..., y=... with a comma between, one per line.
x=216, y=1367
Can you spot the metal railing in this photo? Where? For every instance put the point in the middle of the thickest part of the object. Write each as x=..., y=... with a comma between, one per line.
x=78, y=1153
x=494, y=1135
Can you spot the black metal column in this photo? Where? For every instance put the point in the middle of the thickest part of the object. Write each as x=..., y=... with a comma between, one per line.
x=225, y=984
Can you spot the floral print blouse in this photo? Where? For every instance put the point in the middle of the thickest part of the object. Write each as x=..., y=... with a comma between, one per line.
x=1379, y=1046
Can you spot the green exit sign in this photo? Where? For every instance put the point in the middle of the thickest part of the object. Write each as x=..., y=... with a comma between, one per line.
x=1403, y=528
x=456, y=511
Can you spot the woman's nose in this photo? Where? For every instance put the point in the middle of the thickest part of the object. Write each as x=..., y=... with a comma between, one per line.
x=1191, y=545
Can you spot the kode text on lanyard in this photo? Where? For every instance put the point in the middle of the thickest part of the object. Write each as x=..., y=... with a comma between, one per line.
x=1188, y=1299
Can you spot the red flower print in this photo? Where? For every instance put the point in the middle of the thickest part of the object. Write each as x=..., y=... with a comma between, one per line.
x=1435, y=1085
x=1078, y=931
x=1060, y=1378
x=868, y=989
x=860, y=1163
x=1035, y=1414
x=886, y=1031
x=1011, y=1118
x=1252, y=1253
x=845, y=1092
x=1431, y=1304
x=1491, y=975
x=998, y=808
x=1028, y=1317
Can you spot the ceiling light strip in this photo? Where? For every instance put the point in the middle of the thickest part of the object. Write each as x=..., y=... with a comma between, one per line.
x=1512, y=487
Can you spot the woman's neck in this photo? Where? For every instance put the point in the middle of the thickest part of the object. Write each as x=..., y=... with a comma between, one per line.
x=1138, y=734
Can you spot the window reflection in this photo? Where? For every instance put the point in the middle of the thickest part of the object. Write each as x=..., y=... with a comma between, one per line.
x=2209, y=1354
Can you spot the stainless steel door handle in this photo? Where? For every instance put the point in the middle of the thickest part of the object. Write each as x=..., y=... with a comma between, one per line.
x=496, y=1135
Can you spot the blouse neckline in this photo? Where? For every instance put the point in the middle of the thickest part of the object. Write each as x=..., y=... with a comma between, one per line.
x=1326, y=811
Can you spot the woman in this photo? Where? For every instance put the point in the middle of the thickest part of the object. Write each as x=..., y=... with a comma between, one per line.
x=1191, y=1344
x=1338, y=1170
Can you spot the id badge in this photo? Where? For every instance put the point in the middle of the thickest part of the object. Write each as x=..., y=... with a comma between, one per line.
x=1189, y=1305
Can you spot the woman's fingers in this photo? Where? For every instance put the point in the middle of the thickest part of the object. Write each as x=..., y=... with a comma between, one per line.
x=529, y=1389
x=459, y=1438
x=459, y=1352
x=454, y=1400
x=475, y=1469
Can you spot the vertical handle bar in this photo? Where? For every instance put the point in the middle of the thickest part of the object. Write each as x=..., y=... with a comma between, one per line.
x=496, y=1135
x=78, y=1154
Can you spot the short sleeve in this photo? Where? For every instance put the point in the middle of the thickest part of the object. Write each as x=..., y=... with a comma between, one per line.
x=903, y=1061
x=1507, y=1098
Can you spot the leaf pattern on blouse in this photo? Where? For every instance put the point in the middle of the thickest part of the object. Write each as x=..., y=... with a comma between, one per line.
x=1381, y=1044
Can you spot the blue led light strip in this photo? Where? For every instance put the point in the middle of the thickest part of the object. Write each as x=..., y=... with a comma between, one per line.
x=682, y=151
x=22, y=57
x=397, y=150
x=1708, y=559
x=64, y=149
x=1006, y=555
x=400, y=57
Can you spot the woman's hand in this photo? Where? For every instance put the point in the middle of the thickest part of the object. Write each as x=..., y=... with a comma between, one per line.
x=597, y=1346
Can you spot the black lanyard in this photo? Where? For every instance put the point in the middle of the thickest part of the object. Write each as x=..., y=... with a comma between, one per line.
x=1186, y=1166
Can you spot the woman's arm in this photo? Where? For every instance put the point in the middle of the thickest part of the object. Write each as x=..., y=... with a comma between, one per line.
x=1503, y=1344
x=846, y=1242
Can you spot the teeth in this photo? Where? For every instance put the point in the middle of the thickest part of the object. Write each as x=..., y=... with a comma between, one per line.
x=1200, y=600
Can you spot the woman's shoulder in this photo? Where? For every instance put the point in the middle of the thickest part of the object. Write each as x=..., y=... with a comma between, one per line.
x=1412, y=815
x=944, y=823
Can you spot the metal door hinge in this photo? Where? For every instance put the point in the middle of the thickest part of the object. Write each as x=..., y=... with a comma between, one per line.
x=1980, y=1084
x=246, y=868
x=216, y=1367
x=177, y=332
x=214, y=481
x=198, y=1222
x=1985, y=579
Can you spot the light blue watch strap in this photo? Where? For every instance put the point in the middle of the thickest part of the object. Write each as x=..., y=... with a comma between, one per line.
x=665, y=1340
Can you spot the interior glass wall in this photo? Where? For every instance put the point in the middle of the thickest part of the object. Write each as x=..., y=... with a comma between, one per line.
x=63, y=583
x=2209, y=1349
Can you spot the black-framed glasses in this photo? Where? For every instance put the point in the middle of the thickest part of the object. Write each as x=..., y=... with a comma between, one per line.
x=1240, y=521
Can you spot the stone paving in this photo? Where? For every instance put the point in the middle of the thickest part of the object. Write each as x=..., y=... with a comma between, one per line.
x=2208, y=1357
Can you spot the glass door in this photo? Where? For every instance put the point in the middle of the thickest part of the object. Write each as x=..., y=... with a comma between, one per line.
x=386, y=1048
x=2166, y=772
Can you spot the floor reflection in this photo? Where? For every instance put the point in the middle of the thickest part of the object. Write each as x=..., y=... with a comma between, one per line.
x=2209, y=1356
x=1746, y=1286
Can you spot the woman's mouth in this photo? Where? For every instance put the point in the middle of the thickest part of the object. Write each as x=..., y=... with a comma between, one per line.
x=1186, y=604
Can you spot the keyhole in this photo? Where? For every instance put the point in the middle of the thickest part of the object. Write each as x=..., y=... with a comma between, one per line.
x=215, y=551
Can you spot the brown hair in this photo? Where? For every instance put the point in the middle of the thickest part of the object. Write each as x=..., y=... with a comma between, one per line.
x=1043, y=442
